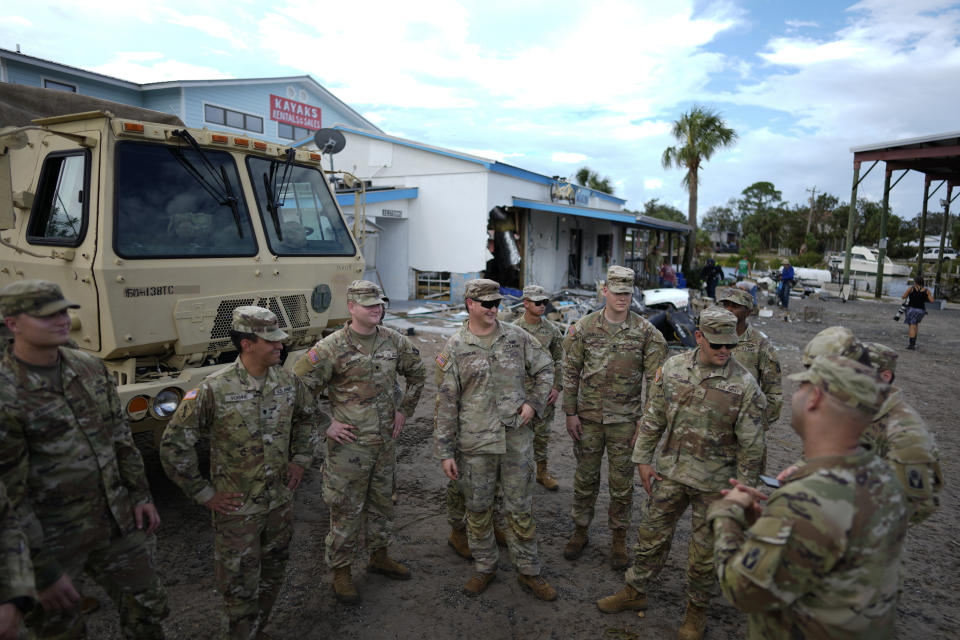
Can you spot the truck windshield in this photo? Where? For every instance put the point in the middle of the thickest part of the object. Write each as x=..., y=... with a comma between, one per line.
x=310, y=224
x=162, y=210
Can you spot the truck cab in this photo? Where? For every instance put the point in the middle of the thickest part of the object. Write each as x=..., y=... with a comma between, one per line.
x=159, y=231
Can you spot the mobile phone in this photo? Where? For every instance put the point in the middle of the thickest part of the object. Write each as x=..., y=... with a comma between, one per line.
x=770, y=482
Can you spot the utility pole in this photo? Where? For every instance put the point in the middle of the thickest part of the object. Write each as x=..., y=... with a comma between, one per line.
x=813, y=195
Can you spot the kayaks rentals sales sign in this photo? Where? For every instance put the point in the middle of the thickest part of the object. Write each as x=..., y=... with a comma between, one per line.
x=299, y=114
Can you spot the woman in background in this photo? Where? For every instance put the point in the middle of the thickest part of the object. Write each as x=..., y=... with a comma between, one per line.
x=916, y=296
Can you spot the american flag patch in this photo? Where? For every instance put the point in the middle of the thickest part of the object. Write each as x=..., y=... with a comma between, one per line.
x=572, y=330
x=442, y=359
x=190, y=394
x=313, y=356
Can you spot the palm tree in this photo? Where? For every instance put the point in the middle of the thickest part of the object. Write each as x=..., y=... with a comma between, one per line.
x=586, y=177
x=699, y=132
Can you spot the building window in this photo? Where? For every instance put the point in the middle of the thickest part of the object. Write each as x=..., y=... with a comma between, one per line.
x=231, y=118
x=59, y=86
x=433, y=285
x=290, y=132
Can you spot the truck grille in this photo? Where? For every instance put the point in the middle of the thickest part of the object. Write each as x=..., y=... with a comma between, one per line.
x=291, y=311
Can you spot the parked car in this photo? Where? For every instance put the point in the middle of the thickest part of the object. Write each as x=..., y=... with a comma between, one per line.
x=932, y=253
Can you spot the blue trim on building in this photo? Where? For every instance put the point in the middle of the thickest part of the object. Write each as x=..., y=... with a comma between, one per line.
x=349, y=199
x=494, y=166
x=599, y=214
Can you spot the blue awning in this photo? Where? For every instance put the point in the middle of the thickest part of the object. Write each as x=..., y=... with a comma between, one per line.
x=380, y=195
x=631, y=219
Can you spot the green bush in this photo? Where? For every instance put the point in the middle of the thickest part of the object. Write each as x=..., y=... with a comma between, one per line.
x=808, y=259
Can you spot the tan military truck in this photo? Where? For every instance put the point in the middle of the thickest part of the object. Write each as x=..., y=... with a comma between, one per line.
x=159, y=232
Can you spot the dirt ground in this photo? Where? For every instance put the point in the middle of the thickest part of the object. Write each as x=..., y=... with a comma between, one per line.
x=431, y=605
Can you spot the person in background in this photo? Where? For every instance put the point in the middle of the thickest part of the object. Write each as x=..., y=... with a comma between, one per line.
x=917, y=296
x=711, y=274
x=668, y=277
x=743, y=269
x=786, y=282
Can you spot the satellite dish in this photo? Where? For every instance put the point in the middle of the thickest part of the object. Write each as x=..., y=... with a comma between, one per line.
x=329, y=141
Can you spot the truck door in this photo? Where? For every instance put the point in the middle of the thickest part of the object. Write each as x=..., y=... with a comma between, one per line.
x=62, y=224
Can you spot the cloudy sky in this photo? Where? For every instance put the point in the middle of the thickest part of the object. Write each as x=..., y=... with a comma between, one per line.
x=552, y=86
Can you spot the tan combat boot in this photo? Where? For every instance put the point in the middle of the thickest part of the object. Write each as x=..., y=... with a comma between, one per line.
x=627, y=599
x=544, y=477
x=478, y=583
x=618, y=550
x=343, y=587
x=693, y=623
x=576, y=544
x=540, y=587
x=383, y=564
x=459, y=543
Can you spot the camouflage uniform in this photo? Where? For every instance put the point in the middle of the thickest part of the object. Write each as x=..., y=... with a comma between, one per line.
x=74, y=476
x=16, y=570
x=899, y=435
x=603, y=373
x=358, y=477
x=823, y=559
x=711, y=419
x=551, y=338
x=755, y=352
x=255, y=431
x=480, y=389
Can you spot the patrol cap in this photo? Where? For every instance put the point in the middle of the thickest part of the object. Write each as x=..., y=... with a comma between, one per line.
x=620, y=279
x=535, y=293
x=736, y=296
x=258, y=321
x=852, y=383
x=719, y=326
x=365, y=293
x=482, y=289
x=882, y=357
x=33, y=297
x=834, y=341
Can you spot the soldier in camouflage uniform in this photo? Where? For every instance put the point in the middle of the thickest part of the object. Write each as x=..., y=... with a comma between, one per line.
x=822, y=559
x=260, y=421
x=358, y=365
x=899, y=435
x=482, y=432
x=17, y=593
x=535, y=300
x=754, y=350
x=609, y=354
x=710, y=413
x=72, y=472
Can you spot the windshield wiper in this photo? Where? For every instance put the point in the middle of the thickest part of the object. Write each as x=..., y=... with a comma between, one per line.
x=221, y=192
x=277, y=193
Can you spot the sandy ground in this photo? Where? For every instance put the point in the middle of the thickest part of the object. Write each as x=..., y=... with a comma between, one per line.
x=431, y=605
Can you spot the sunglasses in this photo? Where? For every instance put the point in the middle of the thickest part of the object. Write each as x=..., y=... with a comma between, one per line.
x=538, y=303
x=717, y=347
x=488, y=304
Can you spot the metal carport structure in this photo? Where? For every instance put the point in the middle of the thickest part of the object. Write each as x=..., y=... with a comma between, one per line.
x=937, y=157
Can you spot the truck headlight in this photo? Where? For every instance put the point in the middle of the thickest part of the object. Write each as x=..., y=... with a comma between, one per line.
x=166, y=402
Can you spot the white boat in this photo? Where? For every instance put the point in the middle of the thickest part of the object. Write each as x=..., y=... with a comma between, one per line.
x=863, y=264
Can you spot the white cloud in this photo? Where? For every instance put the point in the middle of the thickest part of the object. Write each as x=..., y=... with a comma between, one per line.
x=15, y=21
x=799, y=24
x=567, y=157
x=652, y=183
x=144, y=67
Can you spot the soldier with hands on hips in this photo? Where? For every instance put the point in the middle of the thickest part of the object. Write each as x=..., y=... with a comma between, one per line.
x=260, y=421
x=359, y=366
